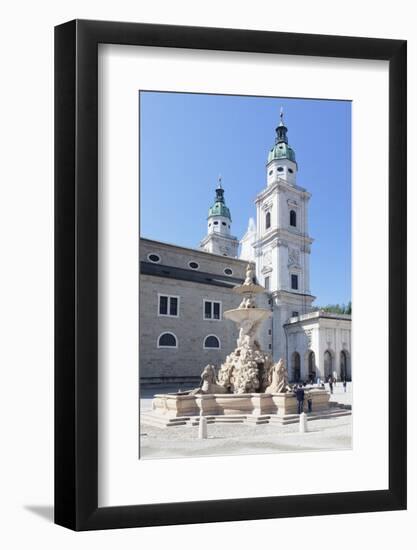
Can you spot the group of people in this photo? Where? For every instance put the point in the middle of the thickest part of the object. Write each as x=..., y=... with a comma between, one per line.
x=332, y=381
x=301, y=391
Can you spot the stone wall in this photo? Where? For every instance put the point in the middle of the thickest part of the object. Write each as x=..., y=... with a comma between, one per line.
x=190, y=328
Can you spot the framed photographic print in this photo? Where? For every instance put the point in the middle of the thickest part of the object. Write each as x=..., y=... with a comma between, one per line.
x=230, y=275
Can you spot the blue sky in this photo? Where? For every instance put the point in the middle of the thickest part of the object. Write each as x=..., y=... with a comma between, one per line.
x=187, y=140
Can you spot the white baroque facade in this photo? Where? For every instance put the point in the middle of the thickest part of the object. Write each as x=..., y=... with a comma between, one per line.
x=319, y=346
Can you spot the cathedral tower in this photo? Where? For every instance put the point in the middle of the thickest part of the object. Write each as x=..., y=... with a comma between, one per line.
x=282, y=246
x=219, y=239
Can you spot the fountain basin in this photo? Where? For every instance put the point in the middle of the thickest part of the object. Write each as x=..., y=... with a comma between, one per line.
x=247, y=404
x=250, y=314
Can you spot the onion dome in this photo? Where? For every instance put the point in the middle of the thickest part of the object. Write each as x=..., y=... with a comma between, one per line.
x=281, y=149
x=219, y=207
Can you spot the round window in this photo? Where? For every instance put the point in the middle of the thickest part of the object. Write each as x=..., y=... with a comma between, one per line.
x=228, y=271
x=216, y=223
x=290, y=170
x=154, y=258
x=280, y=169
x=193, y=265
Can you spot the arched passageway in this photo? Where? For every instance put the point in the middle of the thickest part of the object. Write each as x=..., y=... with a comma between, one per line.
x=345, y=373
x=328, y=364
x=295, y=367
x=311, y=360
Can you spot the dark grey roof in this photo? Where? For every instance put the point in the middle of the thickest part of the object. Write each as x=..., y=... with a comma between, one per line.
x=181, y=274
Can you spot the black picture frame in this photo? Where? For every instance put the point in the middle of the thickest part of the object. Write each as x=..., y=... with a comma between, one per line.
x=76, y=272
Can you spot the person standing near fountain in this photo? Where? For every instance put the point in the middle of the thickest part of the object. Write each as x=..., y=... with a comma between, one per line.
x=299, y=394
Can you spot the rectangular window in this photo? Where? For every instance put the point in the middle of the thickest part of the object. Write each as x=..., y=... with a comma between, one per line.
x=294, y=282
x=294, y=314
x=173, y=306
x=212, y=310
x=163, y=305
x=266, y=283
x=168, y=305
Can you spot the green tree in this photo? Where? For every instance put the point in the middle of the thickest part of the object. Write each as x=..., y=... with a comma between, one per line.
x=336, y=308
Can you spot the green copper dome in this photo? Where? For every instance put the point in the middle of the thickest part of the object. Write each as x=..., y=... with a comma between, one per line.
x=219, y=207
x=281, y=149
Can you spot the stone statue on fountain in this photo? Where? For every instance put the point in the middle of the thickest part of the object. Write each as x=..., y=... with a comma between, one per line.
x=209, y=382
x=278, y=377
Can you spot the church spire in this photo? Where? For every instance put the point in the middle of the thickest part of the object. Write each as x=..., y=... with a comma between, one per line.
x=281, y=129
x=219, y=239
x=219, y=207
x=281, y=162
x=219, y=191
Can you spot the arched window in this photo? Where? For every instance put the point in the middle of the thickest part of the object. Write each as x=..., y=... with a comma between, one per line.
x=268, y=220
x=295, y=367
x=211, y=342
x=328, y=364
x=345, y=373
x=293, y=218
x=167, y=340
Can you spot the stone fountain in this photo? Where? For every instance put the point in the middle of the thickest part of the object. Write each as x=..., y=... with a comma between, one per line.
x=246, y=369
x=249, y=387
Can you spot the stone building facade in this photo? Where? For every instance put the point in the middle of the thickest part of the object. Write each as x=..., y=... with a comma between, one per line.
x=183, y=294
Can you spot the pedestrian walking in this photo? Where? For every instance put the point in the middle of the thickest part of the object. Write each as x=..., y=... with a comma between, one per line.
x=330, y=384
x=299, y=394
